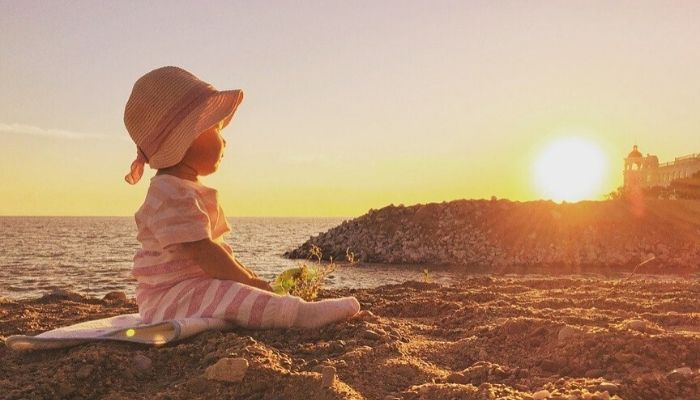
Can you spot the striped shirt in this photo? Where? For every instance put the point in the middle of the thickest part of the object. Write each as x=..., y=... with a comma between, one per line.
x=171, y=284
x=174, y=211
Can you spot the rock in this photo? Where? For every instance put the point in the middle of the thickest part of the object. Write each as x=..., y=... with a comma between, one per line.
x=609, y=387
x=686, y=371
x=64, y=295
x=366, y=315
x=337, y=347
x=327, y=376
x=638, y=325
x=142, y=363
x=679, y=374
x=567, y=333
x=370, y=334
x=540, y=395
x=227, y=369
x=84, y=371
x=115, y=296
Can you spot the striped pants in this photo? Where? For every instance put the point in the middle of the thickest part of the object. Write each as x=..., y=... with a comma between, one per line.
x=247, y=306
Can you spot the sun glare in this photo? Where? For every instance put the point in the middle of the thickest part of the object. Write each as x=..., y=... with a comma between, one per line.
x=570, y=169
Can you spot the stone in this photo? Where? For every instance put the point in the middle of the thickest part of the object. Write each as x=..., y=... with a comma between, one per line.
x=84, y=371
x=370, y=334
x=338, y=347
x=115, y=296
x=227, y=370
x=327, y=376
x=601, y=396
x=609, y=387
x=567, y=333
x=366, y=315
x=142, y=363
x=64, y=294
x=638, y=325
x=540, y=395
x=686, y=371
x=679, y=374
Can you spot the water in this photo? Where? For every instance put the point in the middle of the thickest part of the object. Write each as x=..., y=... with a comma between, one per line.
x=93, y=255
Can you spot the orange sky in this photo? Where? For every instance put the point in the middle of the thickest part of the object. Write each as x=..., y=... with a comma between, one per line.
x=349, y=105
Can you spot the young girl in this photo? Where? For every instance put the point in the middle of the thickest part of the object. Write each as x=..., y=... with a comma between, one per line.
x=185, y=269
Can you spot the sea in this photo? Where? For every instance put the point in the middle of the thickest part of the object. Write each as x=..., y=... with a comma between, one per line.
x=94, y=255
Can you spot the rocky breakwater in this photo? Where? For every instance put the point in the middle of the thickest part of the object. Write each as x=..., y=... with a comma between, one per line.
x=502, y=233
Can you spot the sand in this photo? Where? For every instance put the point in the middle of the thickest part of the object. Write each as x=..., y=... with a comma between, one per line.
x=500, y=337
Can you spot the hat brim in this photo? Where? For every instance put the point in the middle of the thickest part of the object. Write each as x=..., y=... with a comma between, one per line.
x=218, y=107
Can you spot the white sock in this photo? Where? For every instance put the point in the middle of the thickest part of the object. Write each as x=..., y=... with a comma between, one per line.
x=319, y=313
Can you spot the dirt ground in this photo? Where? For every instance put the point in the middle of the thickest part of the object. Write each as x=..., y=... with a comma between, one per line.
x=499, y=337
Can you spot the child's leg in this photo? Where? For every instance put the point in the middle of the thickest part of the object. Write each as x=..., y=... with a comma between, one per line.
x=319, y=313
x=248, y=306
x=255, y=308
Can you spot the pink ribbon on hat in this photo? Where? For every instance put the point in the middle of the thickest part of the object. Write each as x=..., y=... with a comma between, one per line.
x=167, y=123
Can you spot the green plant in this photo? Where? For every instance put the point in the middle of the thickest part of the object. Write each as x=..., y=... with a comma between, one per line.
x=305, y=280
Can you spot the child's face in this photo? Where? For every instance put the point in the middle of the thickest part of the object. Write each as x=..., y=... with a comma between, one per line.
x=205, y=153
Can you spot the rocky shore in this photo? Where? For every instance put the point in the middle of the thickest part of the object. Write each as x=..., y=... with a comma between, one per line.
x=481, y=338
x=506, y=235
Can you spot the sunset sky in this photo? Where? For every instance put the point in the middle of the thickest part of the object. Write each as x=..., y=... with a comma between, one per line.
x=350, y=105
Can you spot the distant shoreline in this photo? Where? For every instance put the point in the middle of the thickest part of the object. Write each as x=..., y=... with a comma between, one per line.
x=501, y=234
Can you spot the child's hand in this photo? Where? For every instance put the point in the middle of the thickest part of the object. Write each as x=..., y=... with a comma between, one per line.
x=260, y=284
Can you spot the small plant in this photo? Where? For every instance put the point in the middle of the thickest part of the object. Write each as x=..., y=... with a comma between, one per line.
x=316, y=252
x=350, y=257
x=305, y=280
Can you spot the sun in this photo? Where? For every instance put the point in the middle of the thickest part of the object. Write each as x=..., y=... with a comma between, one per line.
x=570, y=169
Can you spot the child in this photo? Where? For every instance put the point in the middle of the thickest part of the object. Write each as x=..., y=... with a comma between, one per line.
x=185, y=269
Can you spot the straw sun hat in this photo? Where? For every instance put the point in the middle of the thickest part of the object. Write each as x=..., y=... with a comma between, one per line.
x=168, y=108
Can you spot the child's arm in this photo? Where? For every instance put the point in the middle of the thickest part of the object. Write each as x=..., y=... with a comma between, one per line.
x=219, y=264
x=240, y=264
x=229, y=250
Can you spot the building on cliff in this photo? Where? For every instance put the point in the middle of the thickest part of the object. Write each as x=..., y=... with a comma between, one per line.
x=646, y=171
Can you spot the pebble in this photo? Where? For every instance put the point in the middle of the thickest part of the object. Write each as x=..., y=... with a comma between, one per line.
x=142, y=363
x=600, y=396
x=115, y=296
x=609, y=387
x=637, y=325
x=370, y=334
x=567, y=333
x=84, y=371
x=679, y=374
x=327, y=376
x=64, y=294
x=540, y=395
x=366, y=315
x=338, y=347
x=684, y=371
x=227, y=369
